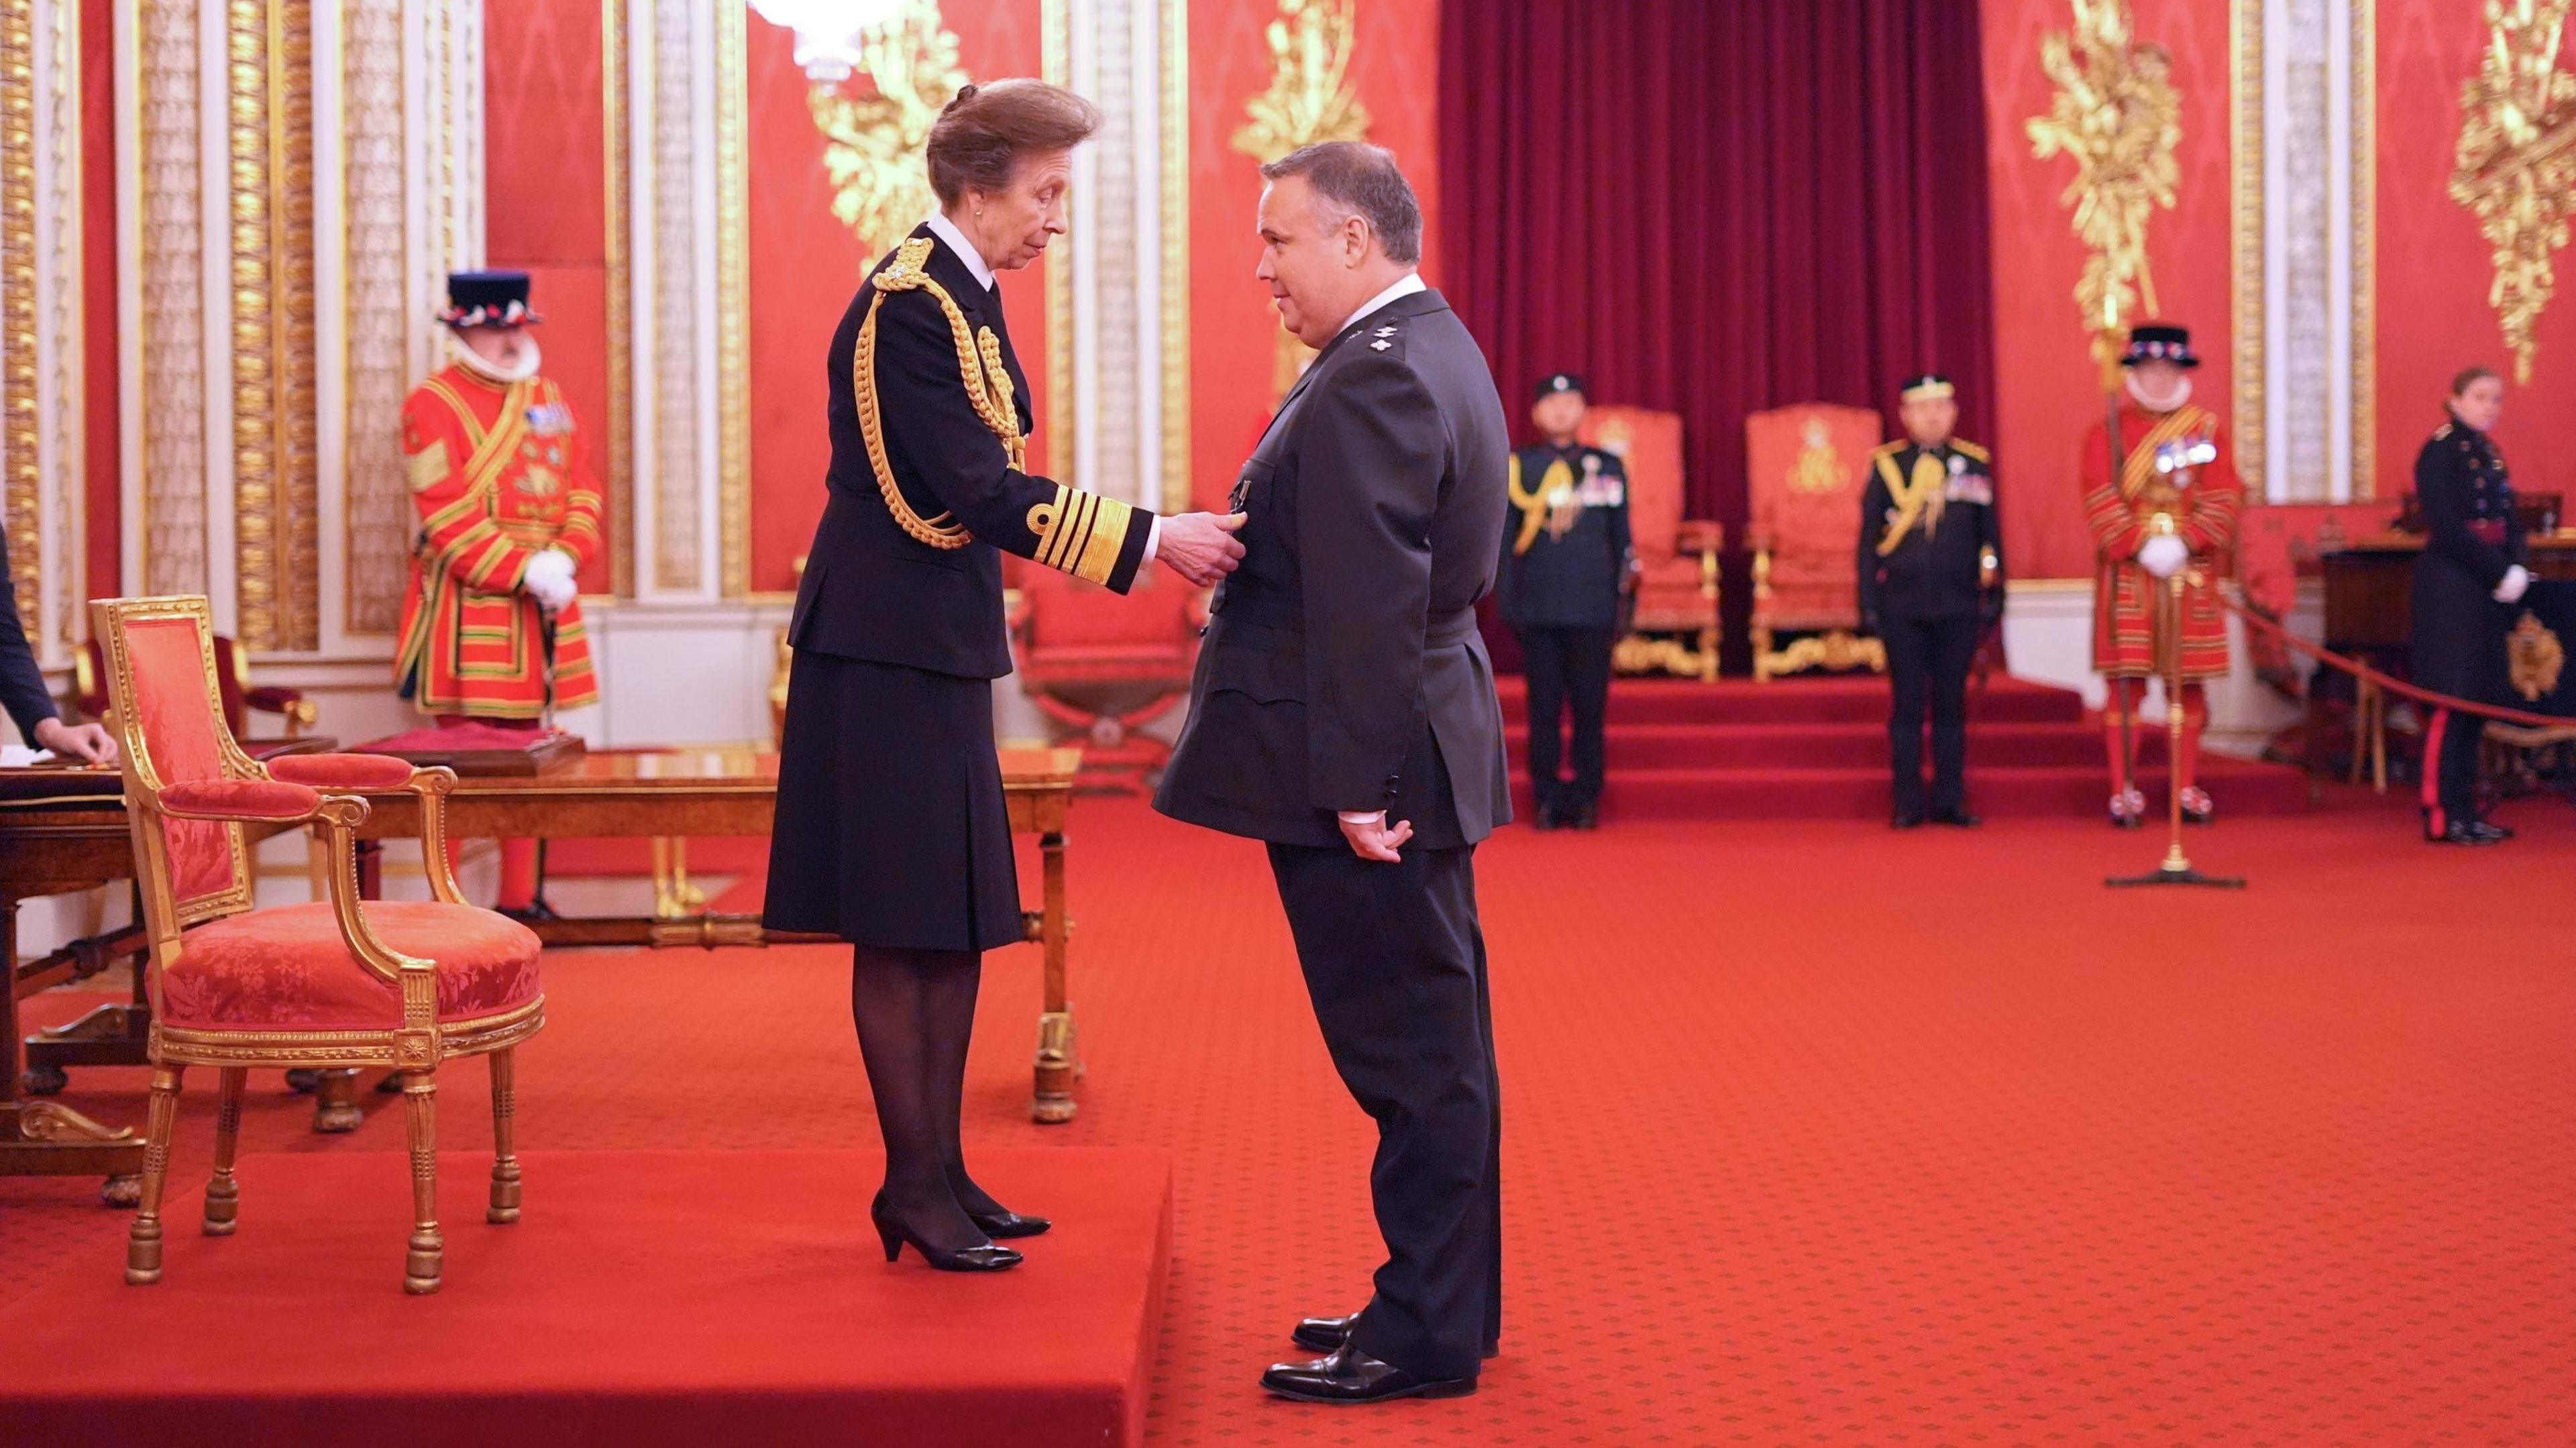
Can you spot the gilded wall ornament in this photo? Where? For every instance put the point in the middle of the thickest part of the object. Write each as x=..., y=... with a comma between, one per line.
x=877, y=124
x=2535, y=657
x=1310, y=99
x=2117, y=114
x=2517, y=162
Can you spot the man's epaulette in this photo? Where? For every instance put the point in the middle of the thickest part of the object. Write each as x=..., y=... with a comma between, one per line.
x=1961, y=444
x=1386, y=337
x=1891, y=449
x=2441, y=432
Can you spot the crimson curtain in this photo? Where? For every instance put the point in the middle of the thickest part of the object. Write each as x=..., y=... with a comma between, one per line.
x=1719, y=206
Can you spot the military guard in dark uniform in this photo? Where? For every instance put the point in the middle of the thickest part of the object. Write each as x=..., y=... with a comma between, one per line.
x=1931, y=583
x=1566, y=560
x=2466, y=583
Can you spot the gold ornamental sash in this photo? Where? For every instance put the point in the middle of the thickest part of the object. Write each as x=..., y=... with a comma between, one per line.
x=979, y=366
x=1535, y=506
x=2139, y=468
x=1919, y=498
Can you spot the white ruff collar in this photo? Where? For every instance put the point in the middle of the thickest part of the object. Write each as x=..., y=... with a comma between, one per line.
x=473, y=361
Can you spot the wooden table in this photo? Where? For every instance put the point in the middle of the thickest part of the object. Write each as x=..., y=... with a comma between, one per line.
x=81, y=843
x=2369, y=615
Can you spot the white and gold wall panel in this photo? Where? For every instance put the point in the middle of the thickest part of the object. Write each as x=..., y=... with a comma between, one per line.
x=41, y=454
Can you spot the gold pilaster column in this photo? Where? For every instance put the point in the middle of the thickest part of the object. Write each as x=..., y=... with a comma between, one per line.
x=269, y=113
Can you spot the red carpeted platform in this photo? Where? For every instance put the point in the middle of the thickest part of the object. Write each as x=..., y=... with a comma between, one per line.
x=646, y=1297
x=1815, y=747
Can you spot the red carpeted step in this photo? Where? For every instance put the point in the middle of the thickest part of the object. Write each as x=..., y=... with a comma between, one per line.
x=2063, y=791
x=1848, y=699
x=1829, y=746
x=643, y=1298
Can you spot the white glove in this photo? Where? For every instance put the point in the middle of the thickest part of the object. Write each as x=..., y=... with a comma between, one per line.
x=2164, y=555
x=2516, y=579
x=549, y=580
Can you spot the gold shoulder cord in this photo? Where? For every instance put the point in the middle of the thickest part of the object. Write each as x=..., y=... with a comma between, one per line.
x=979, y=364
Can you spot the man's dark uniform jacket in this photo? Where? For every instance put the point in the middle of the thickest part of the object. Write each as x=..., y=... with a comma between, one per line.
x=1571, y=581
x=1346, y=643
x=1932, y=572
x=873, y=591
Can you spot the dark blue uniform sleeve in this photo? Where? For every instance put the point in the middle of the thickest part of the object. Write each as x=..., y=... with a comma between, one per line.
x=1370, y=462
x=22, y=682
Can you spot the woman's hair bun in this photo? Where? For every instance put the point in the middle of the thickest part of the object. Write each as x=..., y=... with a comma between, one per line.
x=964, y=94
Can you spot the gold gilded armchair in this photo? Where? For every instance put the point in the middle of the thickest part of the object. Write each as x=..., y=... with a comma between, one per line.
x=330, y=984
x=1673, y=626
x=1806, y=466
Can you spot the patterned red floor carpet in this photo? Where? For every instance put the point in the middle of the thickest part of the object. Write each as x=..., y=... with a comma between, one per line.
x=1814, y=1133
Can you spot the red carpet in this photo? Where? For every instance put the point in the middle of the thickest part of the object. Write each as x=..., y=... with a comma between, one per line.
x=1816, y=748
x=644, y=1298
x=1815, y=1133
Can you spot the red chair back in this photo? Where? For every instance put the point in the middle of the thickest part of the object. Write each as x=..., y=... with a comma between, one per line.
x=164, y=690
x=1649, y=443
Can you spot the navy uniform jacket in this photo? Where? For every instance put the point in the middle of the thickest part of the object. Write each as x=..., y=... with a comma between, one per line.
x=1933, y=571
x=873, y=591
x=2471, y=538
x=1573, y=581
x=22, y=683
x=1342, y=669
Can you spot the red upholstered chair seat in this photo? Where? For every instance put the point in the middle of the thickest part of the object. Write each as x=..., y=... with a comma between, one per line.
x=288, y=968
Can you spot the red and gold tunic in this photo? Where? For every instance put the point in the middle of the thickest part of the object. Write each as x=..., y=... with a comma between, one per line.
x=498, y=473
x=2199, y=490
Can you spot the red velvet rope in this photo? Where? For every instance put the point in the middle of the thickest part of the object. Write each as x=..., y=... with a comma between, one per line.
x=2360, y=670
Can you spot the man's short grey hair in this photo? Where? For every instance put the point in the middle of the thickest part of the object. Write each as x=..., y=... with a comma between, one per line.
x=1363, y=181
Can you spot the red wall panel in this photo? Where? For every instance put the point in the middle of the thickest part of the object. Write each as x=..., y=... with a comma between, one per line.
x=2434, y=267
x=1394, y=60
x=805, y=265
x=546, y=198
x=101, y=437
x=2048, y=391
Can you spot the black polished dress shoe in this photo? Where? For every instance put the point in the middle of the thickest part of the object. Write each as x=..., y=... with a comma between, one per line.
x=1544, y=818
x=2501, y=833
x=1324, y=1334
x=1587, y=817
x=894, y=1234
x=1349, y=1375
x=1905, y=817
x=1956, y=819
x=1327, y=1334
x=998, y=1225
x=2465, y=832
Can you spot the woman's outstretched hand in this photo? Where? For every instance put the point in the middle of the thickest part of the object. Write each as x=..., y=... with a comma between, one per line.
x=1201, y=547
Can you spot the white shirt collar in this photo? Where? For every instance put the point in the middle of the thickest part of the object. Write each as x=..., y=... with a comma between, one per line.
x=1411, y=283
x=946, y=230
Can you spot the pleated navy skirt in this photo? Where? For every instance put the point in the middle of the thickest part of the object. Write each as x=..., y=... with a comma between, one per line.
x=891, y=827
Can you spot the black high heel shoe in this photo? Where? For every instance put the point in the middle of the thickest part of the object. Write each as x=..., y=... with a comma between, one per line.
x=986, y=1258
x=998, y=1225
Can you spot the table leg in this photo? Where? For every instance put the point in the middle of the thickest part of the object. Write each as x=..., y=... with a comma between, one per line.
x=335, y=1102
x=1058, y=1065
x=43, y=1138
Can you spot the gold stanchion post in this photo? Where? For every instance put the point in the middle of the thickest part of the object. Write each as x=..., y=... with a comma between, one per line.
x=2176, y=869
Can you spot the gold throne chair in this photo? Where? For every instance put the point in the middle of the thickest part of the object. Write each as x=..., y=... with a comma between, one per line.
x=331, y=984
x=1806, y=464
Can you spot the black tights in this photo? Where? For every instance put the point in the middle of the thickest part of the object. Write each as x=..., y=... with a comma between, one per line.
x=915, y=1011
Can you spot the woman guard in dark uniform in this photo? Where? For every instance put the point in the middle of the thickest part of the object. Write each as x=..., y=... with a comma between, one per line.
x=2466, y=583
x=891, y=829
